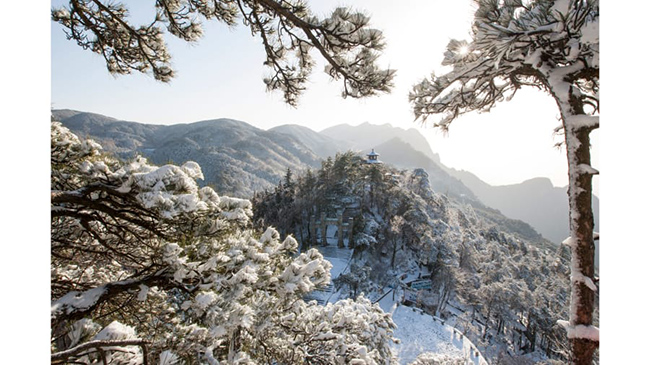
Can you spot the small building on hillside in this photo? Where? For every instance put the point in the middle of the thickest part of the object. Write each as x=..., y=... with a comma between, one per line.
x=373, y=157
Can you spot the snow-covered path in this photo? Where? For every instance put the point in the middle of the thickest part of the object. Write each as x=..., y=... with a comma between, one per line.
x=418, y=332
x=340, y=260
x=339, y=257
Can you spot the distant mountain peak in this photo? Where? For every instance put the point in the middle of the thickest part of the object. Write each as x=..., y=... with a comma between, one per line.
x=543, y=182
x=366, y=135
x=223, y=122
x=61, y=114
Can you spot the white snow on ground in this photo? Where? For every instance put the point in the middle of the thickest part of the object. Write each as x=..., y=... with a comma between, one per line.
x=417, y=331
x=340, y=259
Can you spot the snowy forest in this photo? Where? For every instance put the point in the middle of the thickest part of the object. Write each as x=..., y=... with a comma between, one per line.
x=331, y=265
x=145, y=259
x=503, y=292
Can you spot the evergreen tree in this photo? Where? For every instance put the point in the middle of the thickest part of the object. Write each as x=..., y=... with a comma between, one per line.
x=288, y=179
x=553, y=46
x=289, y=31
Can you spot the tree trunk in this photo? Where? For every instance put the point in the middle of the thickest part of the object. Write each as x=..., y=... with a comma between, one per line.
x=233, y=346
x=533, y=340
x=577, y=127
x=582, y=239
x=445, y=297
x=487, y=321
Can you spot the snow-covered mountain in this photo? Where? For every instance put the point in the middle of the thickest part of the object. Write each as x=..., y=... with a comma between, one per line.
x=487, y=271
x=408, y=149
x=237, y=158
x=471, y=267
x=536, y=201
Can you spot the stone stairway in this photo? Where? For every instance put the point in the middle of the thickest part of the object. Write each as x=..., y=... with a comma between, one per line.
x=340, y=259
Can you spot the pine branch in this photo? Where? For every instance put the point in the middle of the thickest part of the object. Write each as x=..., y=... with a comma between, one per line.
x=61, y=356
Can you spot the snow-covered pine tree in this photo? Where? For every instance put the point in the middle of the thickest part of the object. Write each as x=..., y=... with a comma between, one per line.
x=147, y=266
x=552, y=45
x=289, y=31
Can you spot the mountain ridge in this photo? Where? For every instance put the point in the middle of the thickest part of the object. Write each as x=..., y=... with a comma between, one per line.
x=320, y=144
x=259, y=158
x=236, y=157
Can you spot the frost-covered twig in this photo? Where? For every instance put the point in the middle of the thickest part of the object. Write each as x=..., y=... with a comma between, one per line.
x=76, y=304
x=61, y=356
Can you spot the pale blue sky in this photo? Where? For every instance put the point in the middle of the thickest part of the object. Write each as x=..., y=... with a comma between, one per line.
x=221, y=76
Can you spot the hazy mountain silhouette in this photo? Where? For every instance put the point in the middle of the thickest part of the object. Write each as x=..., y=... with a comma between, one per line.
x=322, y=145
x=402, y=154
x=535, y=201
x=367, y=136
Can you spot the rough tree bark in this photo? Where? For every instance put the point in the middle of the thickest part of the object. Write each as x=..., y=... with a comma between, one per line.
x=581, y=241
x=577, y=126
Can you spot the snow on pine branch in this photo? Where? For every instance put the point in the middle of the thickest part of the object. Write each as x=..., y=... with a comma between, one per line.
x=576, y=274
x=552, y=47
x=587, y=169
x=76, y=300
x=581, y=121
x=581, y=331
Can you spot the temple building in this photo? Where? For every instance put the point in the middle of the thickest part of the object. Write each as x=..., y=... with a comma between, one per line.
x=373, y=157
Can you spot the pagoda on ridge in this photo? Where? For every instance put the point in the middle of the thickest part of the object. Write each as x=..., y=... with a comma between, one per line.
x=373, y=157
